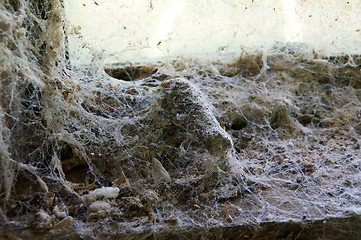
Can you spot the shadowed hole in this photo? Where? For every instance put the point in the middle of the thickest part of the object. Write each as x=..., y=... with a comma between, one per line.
x=131, y=73
x=238, y=124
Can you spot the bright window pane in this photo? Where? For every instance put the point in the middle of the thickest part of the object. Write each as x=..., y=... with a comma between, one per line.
x=143, y=30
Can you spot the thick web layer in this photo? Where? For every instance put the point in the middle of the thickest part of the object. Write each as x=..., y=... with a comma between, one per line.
x=270, y=137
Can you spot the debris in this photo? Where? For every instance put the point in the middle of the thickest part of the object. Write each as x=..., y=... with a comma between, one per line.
x=44, y=220
x=59, y=213
x=229, y=219
x=100, y=206
x=120, y=180
x=357, y=210
x=158, y=171
x=104, y=193
x=64, y=223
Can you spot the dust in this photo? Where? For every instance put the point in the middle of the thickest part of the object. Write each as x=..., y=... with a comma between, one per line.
x=267, y=137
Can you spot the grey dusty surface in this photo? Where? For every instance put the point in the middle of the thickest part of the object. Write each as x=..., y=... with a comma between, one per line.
x=259, y=147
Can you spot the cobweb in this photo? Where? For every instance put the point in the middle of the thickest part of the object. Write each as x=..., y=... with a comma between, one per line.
x=273, y=136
